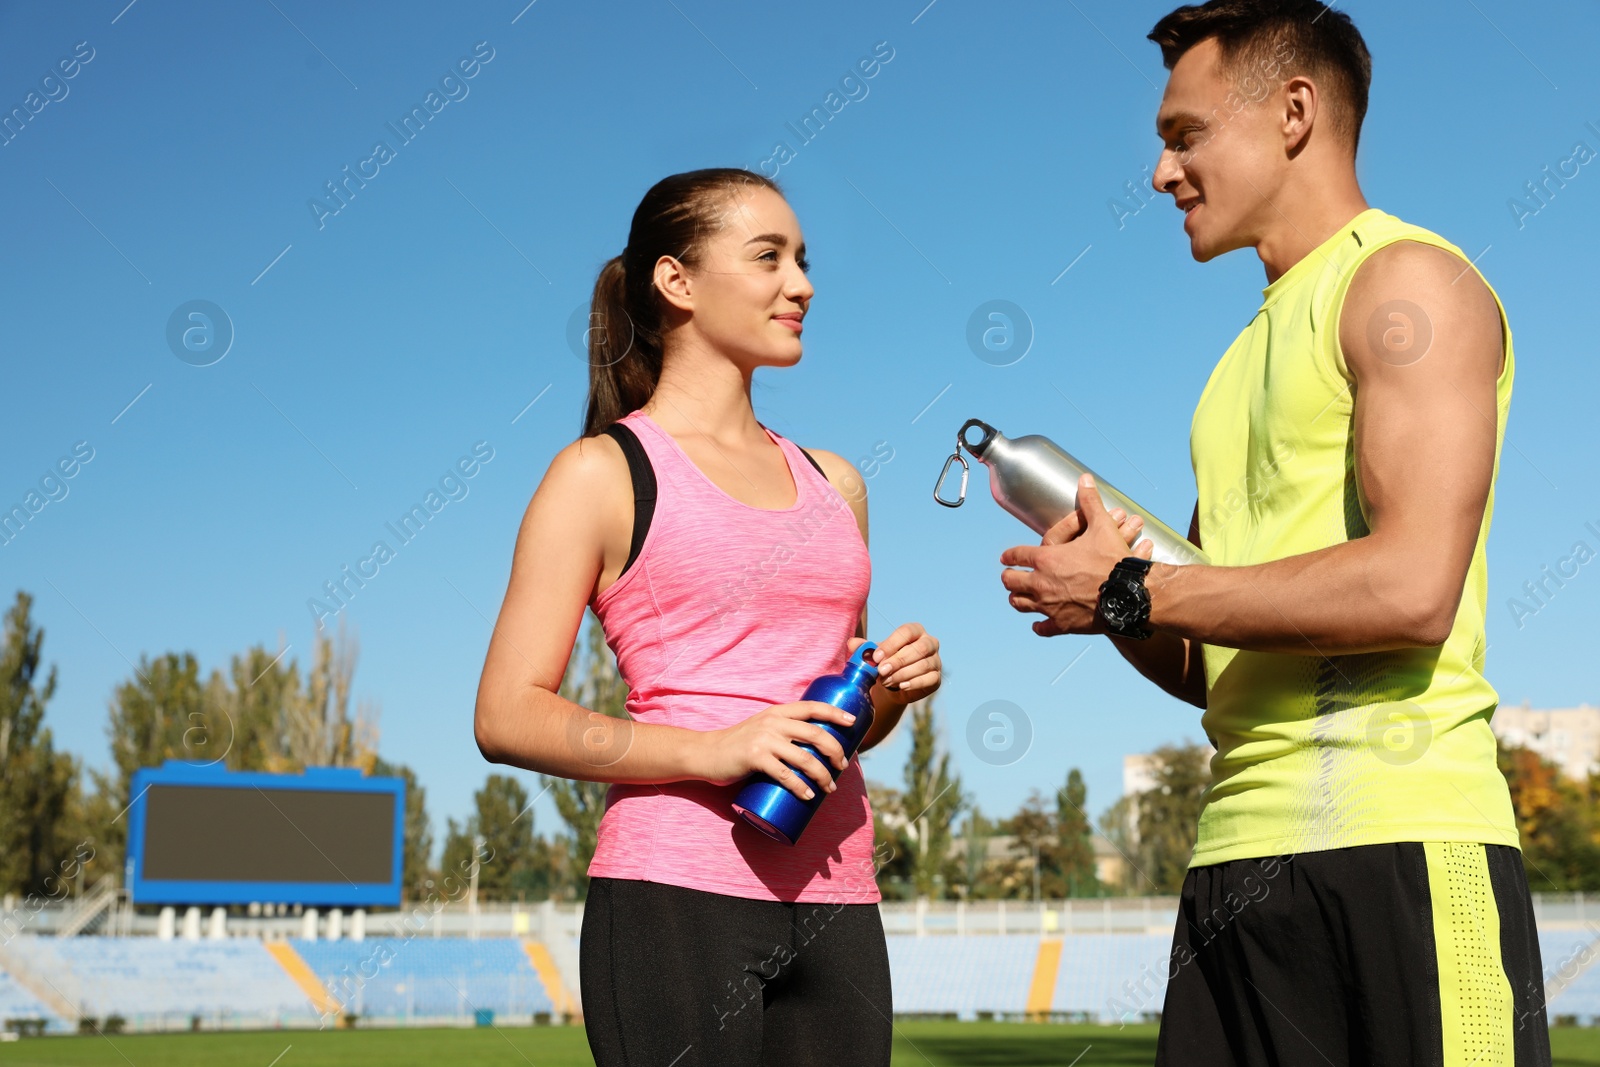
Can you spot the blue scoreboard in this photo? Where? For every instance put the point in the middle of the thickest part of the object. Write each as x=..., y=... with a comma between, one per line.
x=201, y=834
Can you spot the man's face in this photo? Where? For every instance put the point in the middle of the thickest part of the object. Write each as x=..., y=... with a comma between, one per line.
x=1222, y=156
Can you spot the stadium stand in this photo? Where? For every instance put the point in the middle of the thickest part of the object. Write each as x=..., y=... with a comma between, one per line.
x=16, y=1003
x=1570, y=972
x=1112, y=977
x=962, y=975
x=164, y=984
x=246, y=982
x=427, y=977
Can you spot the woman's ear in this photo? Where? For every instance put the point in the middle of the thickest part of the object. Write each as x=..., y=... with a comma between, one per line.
x=672, y=281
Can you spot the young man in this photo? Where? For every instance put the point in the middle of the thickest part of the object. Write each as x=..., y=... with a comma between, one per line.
x=1356, y=894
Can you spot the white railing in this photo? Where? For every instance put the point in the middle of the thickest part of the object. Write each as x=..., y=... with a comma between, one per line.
x=548, y=920
x=1105, y=915
x=1577, y=909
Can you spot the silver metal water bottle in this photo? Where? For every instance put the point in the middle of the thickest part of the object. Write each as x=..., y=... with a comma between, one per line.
x=1037, y=481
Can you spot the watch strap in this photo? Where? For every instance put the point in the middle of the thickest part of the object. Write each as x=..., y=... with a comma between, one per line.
x=1131, y=569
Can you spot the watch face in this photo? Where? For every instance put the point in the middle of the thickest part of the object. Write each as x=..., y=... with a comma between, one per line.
x=1118, y=605
x=1122, y=605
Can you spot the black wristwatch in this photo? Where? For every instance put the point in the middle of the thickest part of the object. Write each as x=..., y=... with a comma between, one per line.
x=1124, y=602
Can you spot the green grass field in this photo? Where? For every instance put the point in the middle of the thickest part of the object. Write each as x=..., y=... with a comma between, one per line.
x=939, y=1044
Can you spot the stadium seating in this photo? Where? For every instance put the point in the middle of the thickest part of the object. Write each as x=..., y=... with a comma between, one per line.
x=1566, y=955
x=964, y=975
x=163, y=984
x=155, y=984
x=17, y=1003
x=422, y=977
x=1112, y=977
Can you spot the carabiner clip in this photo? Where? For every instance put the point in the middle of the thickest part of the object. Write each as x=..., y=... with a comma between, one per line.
x=955, y=457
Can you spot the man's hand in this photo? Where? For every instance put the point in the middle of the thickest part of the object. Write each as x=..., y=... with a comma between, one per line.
x=1070, y=564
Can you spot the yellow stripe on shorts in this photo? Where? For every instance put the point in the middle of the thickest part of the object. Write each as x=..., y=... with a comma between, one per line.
x=1474, y=994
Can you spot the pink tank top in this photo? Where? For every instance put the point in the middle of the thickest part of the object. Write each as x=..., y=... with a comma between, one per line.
x=729, y=609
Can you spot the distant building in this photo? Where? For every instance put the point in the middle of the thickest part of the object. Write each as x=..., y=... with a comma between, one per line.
x=1110, y=865
x=1139, y=776
x=1138, y=773
x=997, y=848
x=1567, y=737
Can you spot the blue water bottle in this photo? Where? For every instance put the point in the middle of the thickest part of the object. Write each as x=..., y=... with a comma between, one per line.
x=774, y=810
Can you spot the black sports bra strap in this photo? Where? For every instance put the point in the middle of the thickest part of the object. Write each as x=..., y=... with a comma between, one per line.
x=814, y=463
x=809, y=457
x=644, y=487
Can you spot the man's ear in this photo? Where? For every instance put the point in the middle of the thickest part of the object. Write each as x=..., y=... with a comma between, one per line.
x=672, y=281
x=1301, y=104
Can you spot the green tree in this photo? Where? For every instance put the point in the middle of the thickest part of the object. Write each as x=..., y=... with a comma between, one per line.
x=318, y=729
x=415, y=871
x=927, y=810
x=888, y=819
x=1052, y=857
x=592, y=681
x=277, y=721
x=164, y=712
x=503, y=819
x=82, y=834
x=261, y=686
x=456, y=859
x=1168, y=814
x=1557, y=820
x=1074, y=837
x=980, y=880
x=262, y=715
x=37, y=784
x=1033, y=850
x=548, y=875
x=1117, y=826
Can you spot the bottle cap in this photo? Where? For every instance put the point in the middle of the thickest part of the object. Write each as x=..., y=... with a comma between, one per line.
x=858, y=659
x=986, y=439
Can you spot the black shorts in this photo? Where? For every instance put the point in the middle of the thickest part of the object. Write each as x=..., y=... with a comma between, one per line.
x=1412, y=955
x=681, y=977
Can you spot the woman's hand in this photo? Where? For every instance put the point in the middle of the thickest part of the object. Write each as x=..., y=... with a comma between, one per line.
x=766, y=742
x=908, y=663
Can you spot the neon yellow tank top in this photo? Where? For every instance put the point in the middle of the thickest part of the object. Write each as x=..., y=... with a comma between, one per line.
x=1316, y=752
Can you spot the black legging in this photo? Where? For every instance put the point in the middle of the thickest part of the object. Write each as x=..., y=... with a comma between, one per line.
x=674, y=977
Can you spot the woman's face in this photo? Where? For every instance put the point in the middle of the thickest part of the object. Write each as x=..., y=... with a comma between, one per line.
x=749, y=292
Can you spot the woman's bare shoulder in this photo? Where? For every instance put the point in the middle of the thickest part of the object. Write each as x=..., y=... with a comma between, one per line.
x=844, y=477
x=587, y=477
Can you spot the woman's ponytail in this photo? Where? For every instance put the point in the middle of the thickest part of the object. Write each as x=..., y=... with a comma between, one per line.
x=623, y=365
x=624, y=335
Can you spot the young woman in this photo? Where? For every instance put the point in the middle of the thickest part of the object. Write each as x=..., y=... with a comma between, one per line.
x=728, y=568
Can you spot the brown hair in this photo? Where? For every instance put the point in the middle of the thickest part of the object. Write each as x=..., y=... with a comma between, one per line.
x=1321, y=42
x=674, y=219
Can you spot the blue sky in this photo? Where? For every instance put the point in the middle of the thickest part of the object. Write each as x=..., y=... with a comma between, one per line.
x=373, y=347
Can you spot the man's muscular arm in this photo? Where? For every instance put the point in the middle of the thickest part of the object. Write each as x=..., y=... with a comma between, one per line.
x=1424, y=426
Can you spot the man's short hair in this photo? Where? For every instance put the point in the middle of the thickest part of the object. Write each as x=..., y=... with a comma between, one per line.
x=1319, y=41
